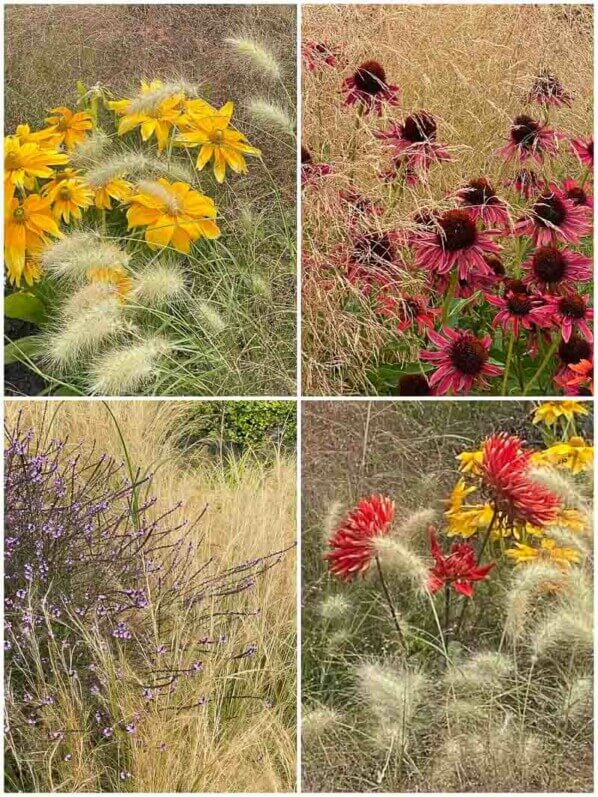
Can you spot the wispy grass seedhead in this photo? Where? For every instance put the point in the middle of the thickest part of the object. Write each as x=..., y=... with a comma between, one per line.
x=577, y=704
x=159, y=283
x=318, y=721
x=569, y=626
x=146, y=103
x=257, y=54
x=398, y=558
x=209, y=318
x=81, y=335
x=482, y=672
x=72, y=256
x=335, y=607
x=90, y=151
x=564, y=487
x=332, y=519
x=124, y=370
x=271, y=115
x=415, y=526
x=87, y=298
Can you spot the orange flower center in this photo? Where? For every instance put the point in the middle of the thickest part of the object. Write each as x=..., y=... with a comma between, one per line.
x=19, y=215
x=65, y=193
x=63, y=125
x=12, y=161
x=217, y=137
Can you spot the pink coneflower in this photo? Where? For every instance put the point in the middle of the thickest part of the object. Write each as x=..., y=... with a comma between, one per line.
x=372, y=259
x=456, y=242
x=519, y=310
x=461, y=361
x=577, y=194
x=352, y=544
x=547, y=90
x=556, y=270
x=571, y=313
x=476, y=281
x=360, y=207
x=317, y=55
x=368, y=88
x=526, y=182
x=416, y=140
x=400, y=169
x=530, y=140
x=584, y=149
x=310, y=171
x=480, y=199
x=414, y=385
x=553, y=217
x=409, y=311
x=504, y=472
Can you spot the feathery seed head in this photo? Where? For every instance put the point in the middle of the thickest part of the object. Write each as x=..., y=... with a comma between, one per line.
x=332, y=520
x=91, y=150
x=318, y=721
x=483, y=671
x=86, y=298
x=149, y=101
x=335, y=607
x=415, y=526
x=160, y=283
x=74, y=255
x=257, y=54
x=578, y=701
x=398, y=558
x=209, y=318
x=122, y=371
x=565, y=488
x=271, y=114
x=82, y=334
x=529, y=585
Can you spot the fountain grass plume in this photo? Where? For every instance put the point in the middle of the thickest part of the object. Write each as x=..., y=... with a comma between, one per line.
x=123, y=370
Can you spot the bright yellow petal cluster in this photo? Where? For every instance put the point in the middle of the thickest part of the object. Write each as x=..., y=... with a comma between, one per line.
x=24, y=163
x=173, y=214
x=550, y=411
x=117, y=189
x=115, y=276
x=575, y=455
x=152, y=119
x=71, y=128
x=27, y=225
x=470, y=461
x=547, y=551
x=69, y=197
x=210, y=130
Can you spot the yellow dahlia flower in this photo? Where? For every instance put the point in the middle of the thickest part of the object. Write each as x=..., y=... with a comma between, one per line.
x=71, y=127
x=152, y=117
x=547, y=551
x=25, y=162
x=211, y=133
x=27, y=225
x=550, y=411
x=173, y=214
x=68, y=198
x=469, y=461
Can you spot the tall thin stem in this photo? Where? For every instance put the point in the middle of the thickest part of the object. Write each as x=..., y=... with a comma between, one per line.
x=541, y=368
x=391, y=606
x=505, y=380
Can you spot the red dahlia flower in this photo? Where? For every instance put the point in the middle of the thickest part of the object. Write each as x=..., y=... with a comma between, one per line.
x=367, y=88
x=461, y=361
x=556, y=270
x=352, y=544
x=547, y=90
x=571, y=312
x=415, y=140
x=526, y=182
x=480, y=199
x=530, y=140
x=504, y=471
x=584, y=149
x=458, y=569
x=317, y=55
x=554, y=217
x=455, y=242
x=580, y=380
x=310, y=171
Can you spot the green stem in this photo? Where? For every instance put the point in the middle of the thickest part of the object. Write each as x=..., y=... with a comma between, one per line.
x=391, y=606
x=543, y=364
x=449, y=295
x=447, y=614
x=508, y=364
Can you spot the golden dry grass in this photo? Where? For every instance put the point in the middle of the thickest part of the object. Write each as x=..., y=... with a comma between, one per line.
x=470, y=66
x=250, y=512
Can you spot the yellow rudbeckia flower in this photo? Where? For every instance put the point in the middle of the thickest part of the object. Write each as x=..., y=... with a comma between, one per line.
x=117, y=189
x=46, y=138
x=575, y=455
x=27, y=225
x=72, y=128
x=211, y=133
x=470, y=461
x=153, y=113
x=550, y=411
x=173, y=214
x=23, y=163
x=69, y=197
x=116, y=277
x=548, y=550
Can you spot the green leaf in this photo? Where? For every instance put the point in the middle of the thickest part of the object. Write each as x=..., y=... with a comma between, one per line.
x=25, y=307
x=24, y=348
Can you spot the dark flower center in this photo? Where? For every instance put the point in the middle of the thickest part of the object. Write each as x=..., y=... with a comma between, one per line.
x=550, y=211
x=574, y=350
x=425, y=219
x=413, y=385
x=457, y=230
x=547, y=85
x=495, y=264
x=480, y=192
x=549, y=264
x=519, y=304
x=419, y=127
x=515, y=286
x=409, y=309
x=370, y=77
x=374, y=249
x=572, y=306
x=524, y=131
x=591, y=149
x=468, y=355
x=305, y=155
x=577, y=195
